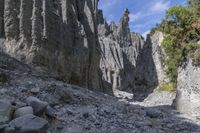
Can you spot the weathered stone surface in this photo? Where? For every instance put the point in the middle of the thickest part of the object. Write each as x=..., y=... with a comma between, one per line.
x=149, y=69
x=6, y=112
x=35, y=90
x=188, y=91
x=59, y=36
x=71, y=40
x=38, y=106
x=119, y=51
x=1, y=18
x=27, y=124
x=23, y=111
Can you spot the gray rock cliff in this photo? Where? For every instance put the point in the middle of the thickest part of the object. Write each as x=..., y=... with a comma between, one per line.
x=149, y=66
x=57, y=35
x=119, y=51
x=188, y=91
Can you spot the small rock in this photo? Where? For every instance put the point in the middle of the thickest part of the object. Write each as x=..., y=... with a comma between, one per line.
x=35, y=90
x=38, y=106
x=19, y=104
x=27, y=124
x=23, y=111
x=3, y=127
x=50, y=112
x=6, y=112
x=154, y=113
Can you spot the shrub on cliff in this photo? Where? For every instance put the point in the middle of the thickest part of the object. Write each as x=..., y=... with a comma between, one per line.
x=181, y=28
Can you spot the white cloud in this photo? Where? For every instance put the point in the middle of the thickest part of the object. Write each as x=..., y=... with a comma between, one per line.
x=145, y=34
x=160, y=6
x=134, y=17
x=108, y=4
x=137, y=26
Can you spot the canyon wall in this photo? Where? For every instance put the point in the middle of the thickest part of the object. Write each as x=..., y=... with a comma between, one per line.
x=120, y=49
x=71, y=40
x=59, y=36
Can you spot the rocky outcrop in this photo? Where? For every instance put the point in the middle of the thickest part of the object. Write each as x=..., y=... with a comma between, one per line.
x=119, y=51
x=150, y=71
x=72, y=41
x=57, y=35
x=188, y=92
x=1, y=18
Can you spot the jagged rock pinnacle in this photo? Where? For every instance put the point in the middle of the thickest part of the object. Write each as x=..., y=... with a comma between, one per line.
x=126, y=11
x=123, y=28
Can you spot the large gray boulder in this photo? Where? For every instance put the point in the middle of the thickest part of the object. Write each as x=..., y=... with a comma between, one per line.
x=27, y=124
x=188, y=89
x=23, y=111
x=38, y=106
x=6, y=112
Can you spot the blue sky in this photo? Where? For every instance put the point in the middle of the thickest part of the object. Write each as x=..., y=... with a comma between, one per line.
x=144, y=14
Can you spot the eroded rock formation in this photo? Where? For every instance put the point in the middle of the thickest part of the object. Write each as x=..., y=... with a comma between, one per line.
x=150, y=72
x=119, y=52
x=71, y=39
x=58, y=35
x=188, y=92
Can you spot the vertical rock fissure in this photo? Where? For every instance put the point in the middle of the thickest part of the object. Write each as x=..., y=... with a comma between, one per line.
x=2, y=33
x=11, y=20
x=25, y=21
x=37, y=23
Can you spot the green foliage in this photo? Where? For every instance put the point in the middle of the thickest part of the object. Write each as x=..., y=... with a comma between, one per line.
x=196, y=57
x=181, y=28
x=172, y=58
x=169, y=87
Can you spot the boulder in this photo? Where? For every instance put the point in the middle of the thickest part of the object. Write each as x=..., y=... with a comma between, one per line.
x=35, y=90
x=27, y=124
x=6, y=112
x=23, y=111
x=38, y=106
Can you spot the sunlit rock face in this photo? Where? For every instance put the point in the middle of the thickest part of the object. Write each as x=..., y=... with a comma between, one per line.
x=58, y=35
x=119, y=52
x=188, y=91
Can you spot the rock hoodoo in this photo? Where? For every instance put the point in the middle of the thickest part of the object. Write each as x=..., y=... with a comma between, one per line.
x=119, y=52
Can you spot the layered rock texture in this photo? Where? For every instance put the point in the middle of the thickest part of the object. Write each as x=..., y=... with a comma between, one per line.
x=149, y=69
x=58, y=35
x=119, y=53
x=71, y=40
